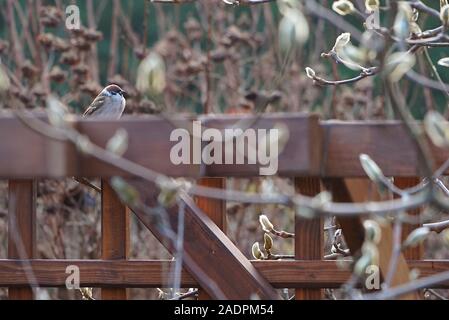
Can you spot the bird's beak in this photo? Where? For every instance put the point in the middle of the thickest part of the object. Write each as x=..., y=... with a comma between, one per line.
x=124, y=94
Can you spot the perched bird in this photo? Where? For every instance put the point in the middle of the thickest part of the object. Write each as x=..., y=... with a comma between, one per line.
x=110, y=103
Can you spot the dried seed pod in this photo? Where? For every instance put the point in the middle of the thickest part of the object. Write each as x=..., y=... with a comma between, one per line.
x=80, y=70
x=39, y=91
x=149, y=107
x=93, y=35
x=193, y=29
x=46, y=40
x=3, y=46
x=78, y=32
x=29, y=70
x=70, y=58
x=24, y=96
x=219, y=55
x=91, y=88
x=57, y=74
x=50, y=16
x=81, y=44
x=60, y=45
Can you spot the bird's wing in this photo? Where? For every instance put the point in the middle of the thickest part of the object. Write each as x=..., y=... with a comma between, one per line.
x=94, y=105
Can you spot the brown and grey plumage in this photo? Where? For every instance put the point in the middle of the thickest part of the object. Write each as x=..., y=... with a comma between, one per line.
x=110, y=103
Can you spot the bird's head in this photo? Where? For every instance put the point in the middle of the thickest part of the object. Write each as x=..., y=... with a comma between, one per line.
x=113, y=90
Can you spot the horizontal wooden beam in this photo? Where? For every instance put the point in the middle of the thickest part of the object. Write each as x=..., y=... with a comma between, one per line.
x=386, y=142
x=313, y=148
x=150, y=146
x=154, y=273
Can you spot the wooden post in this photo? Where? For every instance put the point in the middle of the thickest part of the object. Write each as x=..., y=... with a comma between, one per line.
x=415, y=253
x=114, y=235
x=22, y=228
x=308, y=236
x=215, y=209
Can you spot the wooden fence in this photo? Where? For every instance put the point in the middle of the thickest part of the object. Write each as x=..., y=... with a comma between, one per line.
x=317, y=155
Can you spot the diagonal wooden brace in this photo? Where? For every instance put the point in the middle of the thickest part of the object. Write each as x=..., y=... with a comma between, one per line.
x=209, y=255
x=356, y=190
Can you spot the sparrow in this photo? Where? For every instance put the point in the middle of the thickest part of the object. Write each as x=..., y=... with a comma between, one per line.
x=110, y=103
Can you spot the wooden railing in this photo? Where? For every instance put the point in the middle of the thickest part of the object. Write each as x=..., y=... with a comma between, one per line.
x=317, y=155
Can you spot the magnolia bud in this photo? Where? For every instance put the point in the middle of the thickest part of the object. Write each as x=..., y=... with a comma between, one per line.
x=310, y=73
x=56, y=111
x=362, y=264
x=343, y=7
x=266, y=224
x=267, y=242
x=118, y=143
x=372, y=5
x=257, y=254
x=414, y=274
x=416, y=237
x=370, y=249
x=373, y=232
x=341, y=41
x=127, y=193
x=444, y=15
x=444, y=62
x=371, y=169
x=436, y=128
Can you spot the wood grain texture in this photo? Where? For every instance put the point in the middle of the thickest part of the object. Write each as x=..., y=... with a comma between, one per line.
x=361, y=190
x=386, y=142
x=326, y=149
x=115, y=240
x=352, y=227
x=402, y=274
x=152, y=273
x=22, y=230
x=209, y=255
x=417, y=252
x=150, y=146
x=215, y=209
x=309, y=242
